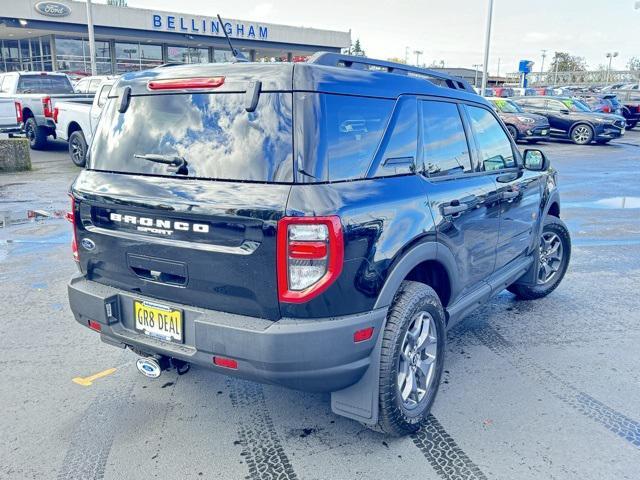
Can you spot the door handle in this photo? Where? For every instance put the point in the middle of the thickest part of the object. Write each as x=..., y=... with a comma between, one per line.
x=509, y=195
x=455, y=207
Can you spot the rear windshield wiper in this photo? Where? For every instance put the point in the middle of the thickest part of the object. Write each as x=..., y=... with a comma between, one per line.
x=176, y=161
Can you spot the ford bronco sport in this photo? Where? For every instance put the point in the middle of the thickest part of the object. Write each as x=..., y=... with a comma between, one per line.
x=315, y=225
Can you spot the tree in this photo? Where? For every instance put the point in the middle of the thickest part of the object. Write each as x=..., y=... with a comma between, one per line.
x=356, y=49
x=634, y=63
x=567, y=63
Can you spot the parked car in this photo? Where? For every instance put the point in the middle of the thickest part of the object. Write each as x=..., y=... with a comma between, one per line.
x=503, y=92
x=92, y=83
x=36, y=92
x=522, y=92
x=76, y=120
x=603, y=103
x=630, y=100
x=521, y=125
x=205, y=234
x=544, y=90
x=572, y=119
x=10, y=116
x=488, y=91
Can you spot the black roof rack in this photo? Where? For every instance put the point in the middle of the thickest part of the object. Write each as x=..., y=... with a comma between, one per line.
x=364, y=63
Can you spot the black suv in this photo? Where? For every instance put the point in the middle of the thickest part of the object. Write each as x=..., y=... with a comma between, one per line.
x=314, y=225
x=570, y=118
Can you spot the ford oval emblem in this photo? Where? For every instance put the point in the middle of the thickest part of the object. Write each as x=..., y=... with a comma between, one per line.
x=88, y=244
x=53, y=9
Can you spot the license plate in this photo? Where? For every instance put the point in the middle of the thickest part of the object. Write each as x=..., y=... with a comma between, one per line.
x=159, y=321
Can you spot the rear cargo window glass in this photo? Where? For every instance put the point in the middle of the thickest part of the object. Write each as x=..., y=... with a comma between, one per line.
x=213, y=133
x=44, y=84
x=342, y=144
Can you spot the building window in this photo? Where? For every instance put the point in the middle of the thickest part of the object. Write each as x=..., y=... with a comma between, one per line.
x=187, y=54
x=72, y=55
x=135, y=56
x=222, y=56
x=11, y=56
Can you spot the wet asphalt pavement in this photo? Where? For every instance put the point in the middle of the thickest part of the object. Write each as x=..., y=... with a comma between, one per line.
x=548, y=389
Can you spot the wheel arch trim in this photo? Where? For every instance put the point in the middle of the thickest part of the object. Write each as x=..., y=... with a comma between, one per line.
x=418, y=254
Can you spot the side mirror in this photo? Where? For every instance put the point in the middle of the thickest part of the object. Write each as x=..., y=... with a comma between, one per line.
x=535, y=160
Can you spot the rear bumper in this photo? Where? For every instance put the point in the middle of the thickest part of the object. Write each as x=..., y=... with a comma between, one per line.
x=310, y=354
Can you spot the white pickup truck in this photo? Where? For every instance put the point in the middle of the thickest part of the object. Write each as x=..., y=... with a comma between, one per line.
x=76, y=120
x=36, y=92
x=10, y=115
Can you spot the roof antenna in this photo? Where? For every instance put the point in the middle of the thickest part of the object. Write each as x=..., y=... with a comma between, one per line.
x=236, y=54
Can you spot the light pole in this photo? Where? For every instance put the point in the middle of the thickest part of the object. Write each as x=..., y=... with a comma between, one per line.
x=92, y=40
x=555, y=75
x=418, y=53
x=406, y=55
x=487, y=40
x=475, y=78
x=544, y=54
x=610, y=56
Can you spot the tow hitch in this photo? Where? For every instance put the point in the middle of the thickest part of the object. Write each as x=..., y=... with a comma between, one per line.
x=152, y=367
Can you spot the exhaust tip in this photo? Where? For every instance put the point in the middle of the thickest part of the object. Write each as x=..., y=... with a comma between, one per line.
x=149, y=367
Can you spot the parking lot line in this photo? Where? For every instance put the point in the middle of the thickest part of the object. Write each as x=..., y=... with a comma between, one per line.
x=88, y=381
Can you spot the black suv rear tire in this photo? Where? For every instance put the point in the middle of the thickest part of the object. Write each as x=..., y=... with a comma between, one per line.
x=413, y=341
x=554, y=228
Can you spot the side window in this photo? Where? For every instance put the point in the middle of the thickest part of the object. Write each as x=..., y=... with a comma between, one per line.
x=81, y=86
x=444, y=143
x=353, y=129
x=537, y=102
x=103, y=94
x=93, y=85
x=555, y=105
x=493, y=142
x=397, y=153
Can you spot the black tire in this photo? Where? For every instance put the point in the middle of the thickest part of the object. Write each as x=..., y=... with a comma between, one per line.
x=36, y=134
x=552, y=226
x=513, y=131
x=78, y=148
x=603, y=142
x=533, y=142
x=413, y=301
x=581, y=134
x=631, y=125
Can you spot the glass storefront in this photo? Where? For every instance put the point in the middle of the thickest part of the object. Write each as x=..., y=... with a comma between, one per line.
x=137, y=56
x=72, y=56
x=26, y=54
x=112, y=56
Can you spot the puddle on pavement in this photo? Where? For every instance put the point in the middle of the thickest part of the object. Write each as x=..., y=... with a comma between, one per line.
x=607, y=203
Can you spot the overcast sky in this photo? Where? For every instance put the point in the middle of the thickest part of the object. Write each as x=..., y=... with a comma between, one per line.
x=453, y=30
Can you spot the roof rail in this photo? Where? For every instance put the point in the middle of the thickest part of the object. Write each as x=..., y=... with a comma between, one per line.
x=364, y=63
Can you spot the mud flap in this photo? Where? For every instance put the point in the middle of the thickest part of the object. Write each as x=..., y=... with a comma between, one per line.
x=360, y=400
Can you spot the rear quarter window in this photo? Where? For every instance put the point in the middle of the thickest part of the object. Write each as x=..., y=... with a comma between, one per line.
x=339, y=135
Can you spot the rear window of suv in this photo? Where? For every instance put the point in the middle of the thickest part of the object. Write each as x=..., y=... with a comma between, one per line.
x=214, y=134
x=44, y=84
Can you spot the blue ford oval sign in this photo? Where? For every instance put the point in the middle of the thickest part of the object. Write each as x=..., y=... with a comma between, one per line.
x=88, y=244
x=53, y=9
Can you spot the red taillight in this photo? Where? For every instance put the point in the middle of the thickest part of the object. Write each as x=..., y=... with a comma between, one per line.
x=18, y=112
x=363, y=335
x=310, y=256
x=71, y=216
x=225, y=362
x=46, y=107
x=185, y=83
x=55, y=114
x=93, y=325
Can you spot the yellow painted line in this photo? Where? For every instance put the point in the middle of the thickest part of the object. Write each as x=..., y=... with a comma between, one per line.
x=86, y=381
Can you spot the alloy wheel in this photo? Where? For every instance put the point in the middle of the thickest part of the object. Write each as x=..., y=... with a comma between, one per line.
x=77, y=151
x=417, y=362
x=581, y=134
x=551, y=252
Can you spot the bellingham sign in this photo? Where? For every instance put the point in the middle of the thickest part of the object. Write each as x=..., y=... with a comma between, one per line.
x=203, y=26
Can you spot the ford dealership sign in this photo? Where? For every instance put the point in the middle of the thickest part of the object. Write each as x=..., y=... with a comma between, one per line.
x=53, y=9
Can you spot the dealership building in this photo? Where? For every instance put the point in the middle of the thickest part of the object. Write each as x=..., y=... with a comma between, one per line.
x=53, y=36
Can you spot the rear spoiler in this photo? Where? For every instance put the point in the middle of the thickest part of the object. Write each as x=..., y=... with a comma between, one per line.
x=363, y=63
